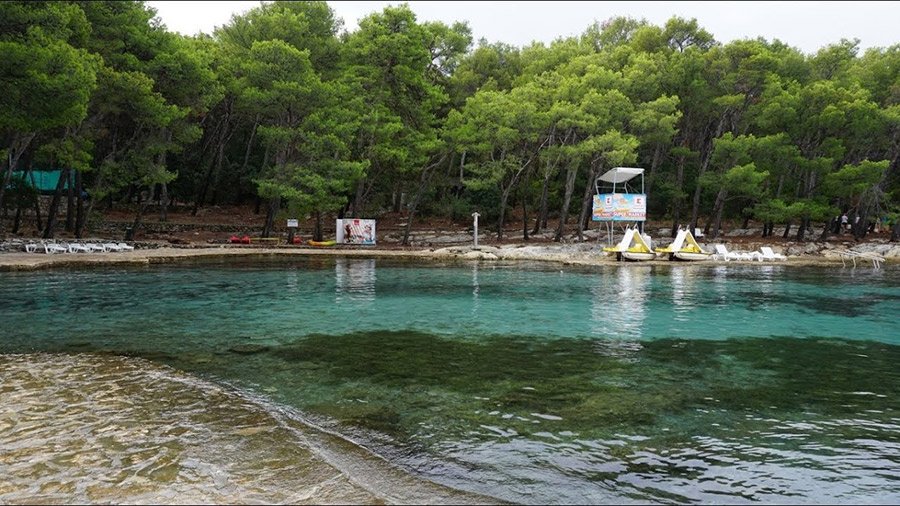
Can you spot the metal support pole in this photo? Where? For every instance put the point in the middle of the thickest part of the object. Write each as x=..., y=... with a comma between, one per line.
x=476, y=215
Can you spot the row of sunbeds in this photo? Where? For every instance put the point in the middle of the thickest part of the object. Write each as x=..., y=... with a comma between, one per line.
x=764, y=253
x=74, y=247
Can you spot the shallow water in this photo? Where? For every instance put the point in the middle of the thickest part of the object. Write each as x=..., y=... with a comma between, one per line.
x=531, y=384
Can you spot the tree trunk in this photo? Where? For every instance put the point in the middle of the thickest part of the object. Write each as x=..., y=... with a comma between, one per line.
x=705, y=157
x=826, y=230
x=164, y=189
x=70, y=203
x=250, y=145
x=801, y=230
x=79, y=205
x=17, y=220
x=318, y=233
x=587, y=199
x=79, y=229
x=54, y=204
x=462, y=165
x=524, y=219
x=215, y=163
x=17, y=147
x=164, y=203
x=39, y=223
x=654, y=165
x=504, y=196
x=358, y=198
x=679, y=200
x=718, y=210
x=787, y=230
x=142, y=206
x=272, y=209
x=414, y=203
x=201, y=197
x=859, y=228
x=541, y=220
x=567, y=199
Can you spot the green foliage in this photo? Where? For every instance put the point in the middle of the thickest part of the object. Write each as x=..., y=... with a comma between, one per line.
x=854, y=180
x=279, y=104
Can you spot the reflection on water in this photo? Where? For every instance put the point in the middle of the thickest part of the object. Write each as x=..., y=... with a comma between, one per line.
x=619, y=309
x=354, y=280
x=684, y=295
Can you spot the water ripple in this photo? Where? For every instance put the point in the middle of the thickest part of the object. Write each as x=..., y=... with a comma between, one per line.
x=87, y=429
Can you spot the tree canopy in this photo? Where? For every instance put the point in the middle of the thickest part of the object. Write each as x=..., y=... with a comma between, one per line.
x=281, y=106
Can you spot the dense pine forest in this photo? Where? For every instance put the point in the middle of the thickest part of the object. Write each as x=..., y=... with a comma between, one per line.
x=283, y=109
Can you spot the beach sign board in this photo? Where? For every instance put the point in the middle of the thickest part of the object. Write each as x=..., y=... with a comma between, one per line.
x=355, y=231
x=620, y=207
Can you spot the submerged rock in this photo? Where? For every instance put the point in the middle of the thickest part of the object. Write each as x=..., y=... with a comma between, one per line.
x=248, y=349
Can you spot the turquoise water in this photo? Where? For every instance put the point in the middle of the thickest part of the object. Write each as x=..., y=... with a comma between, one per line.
x=529, y=383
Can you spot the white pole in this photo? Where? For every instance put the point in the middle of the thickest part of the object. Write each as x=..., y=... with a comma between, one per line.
x=476, y=215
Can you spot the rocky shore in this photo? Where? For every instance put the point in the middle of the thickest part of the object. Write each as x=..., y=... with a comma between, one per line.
x=13, y=256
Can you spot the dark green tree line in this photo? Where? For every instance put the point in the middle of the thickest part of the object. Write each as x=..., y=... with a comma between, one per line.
x=282, y=108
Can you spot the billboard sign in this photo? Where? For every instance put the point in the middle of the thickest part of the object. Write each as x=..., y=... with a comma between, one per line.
x=355, y=231
x=620, y=207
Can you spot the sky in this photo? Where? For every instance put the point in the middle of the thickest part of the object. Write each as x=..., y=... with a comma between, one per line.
x=807, y=26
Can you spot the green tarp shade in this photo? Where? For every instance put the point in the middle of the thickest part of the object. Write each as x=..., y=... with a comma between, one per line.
x=44, y=180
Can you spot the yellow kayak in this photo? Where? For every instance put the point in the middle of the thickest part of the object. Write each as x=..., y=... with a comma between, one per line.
x=321, y=244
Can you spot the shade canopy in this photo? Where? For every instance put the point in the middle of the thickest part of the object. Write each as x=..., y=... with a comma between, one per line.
x=620, y=174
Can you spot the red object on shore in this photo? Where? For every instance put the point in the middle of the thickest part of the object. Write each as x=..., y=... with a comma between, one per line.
x=245, y=239
x=296, y=240
x=234, y=239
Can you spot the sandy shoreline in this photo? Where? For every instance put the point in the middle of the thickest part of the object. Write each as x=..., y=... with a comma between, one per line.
x=21, y=261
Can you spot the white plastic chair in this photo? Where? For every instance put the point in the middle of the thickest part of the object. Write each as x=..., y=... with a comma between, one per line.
x=768, y=254
x=111, y=246
x=125, y=247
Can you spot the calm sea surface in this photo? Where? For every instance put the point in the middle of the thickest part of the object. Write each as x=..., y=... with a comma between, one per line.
x=359, y=380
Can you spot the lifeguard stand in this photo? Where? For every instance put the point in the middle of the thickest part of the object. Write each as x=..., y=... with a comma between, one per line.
x=617, y=198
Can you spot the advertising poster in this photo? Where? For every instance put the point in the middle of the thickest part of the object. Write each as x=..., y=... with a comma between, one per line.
x=620, y=207
x=355, y=231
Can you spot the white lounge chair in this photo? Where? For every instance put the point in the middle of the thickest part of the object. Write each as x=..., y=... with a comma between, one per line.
x=92, y=246
x=111, y=246
x=722, y=253
x=74, y=247
x=50, y=248
x=125, y=247
x=31, y=247
x=766, y=253
x=853, y=255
